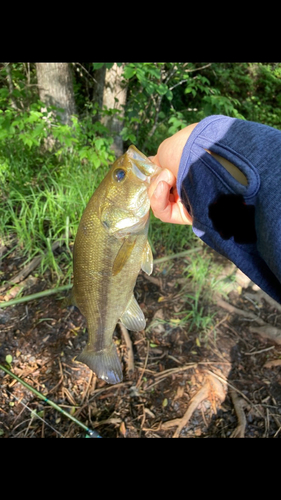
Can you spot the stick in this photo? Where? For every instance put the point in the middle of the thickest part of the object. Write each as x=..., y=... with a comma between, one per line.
x=240, y=312
x=51, y=403
x=176, y=255
x=34, y=296
x=239, y=432
x=267, y=332
x=28, y=269
x=125, y=333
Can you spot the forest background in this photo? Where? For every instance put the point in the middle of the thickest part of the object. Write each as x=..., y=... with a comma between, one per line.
x=63, y=124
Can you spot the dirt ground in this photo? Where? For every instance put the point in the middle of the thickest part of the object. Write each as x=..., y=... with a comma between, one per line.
x=223, y=382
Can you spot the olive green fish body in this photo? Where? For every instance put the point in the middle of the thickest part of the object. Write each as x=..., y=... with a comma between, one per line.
x=110, y=249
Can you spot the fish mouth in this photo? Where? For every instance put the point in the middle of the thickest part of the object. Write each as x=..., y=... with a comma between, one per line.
x=142, y=167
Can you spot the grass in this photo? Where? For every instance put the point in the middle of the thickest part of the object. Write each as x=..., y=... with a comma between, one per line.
x=169, y=238
x=204, y=279
x=40, y=209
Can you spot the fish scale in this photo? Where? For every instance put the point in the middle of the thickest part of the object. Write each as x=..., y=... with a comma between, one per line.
x=110, y=248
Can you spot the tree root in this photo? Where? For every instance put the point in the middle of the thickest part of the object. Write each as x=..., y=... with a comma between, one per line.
x=264, y=330
x=238, y=404
x=267, y=332
x=129, y=345
x=240, y=312
x=212, y=389
x=28, y=269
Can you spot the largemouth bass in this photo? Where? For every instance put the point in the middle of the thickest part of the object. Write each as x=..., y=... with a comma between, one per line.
x=110, y=248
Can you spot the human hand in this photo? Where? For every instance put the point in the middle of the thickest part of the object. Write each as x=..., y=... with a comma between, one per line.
x=164, y=198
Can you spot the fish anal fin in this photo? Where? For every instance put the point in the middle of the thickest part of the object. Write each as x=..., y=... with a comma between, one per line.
x=123, y=254
x=133, y=317
x=147, y=259
x=104, y=363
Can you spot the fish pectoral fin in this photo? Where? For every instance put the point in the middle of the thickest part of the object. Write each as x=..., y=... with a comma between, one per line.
x=123, y=254
x=147, y=259
x=133, y=317
x=104, y=363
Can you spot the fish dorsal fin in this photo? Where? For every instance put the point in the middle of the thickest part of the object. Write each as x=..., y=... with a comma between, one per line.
x=123, y=254
x=147, y=259
x=133, y=317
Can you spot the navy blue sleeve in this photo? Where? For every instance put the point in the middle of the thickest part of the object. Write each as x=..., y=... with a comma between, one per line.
x=241, y=222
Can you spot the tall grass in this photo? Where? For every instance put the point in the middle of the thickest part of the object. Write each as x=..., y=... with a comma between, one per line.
x=42, y=208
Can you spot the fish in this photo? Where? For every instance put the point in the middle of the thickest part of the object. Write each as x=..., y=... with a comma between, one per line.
x=110, y=249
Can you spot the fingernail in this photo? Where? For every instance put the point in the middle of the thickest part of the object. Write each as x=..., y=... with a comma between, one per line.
x=158, y=190
x=163, y=176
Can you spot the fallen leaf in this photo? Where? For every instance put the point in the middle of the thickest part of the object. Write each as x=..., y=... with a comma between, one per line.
x=271, y=364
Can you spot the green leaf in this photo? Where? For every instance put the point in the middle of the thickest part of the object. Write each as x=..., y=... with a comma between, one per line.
x=165, y=402
x=99, y=143
x=98, y=65
x=9, y=359
x=128, y=72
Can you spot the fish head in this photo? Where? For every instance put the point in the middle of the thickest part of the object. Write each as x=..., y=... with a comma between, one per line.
x=126, y=203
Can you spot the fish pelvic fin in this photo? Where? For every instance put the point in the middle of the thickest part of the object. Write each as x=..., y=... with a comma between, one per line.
x=104, y=363
x=147, y=259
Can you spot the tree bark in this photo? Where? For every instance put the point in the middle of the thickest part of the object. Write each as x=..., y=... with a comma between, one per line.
x=56, y=88
x=98, y=90
x=114, y=97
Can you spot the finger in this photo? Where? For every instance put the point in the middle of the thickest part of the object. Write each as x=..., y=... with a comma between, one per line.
x=166, y=176
x=165, y=209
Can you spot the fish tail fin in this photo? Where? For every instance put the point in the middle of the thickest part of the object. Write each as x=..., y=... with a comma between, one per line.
x=104, y=363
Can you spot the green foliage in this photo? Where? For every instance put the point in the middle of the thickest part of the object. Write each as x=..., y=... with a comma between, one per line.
x=48, y=170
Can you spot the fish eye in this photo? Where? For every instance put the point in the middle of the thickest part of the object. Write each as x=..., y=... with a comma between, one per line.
x=119, y=174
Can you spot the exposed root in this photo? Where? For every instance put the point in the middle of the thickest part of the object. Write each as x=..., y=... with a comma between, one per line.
x=238, y=404
x=240, y=312
x=267, y=332
x=212, y=389
x=129, y=345
x=28, y=269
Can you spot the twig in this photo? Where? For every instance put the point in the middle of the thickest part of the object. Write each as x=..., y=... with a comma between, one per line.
x=176, y=255
x=47, y=400
x=28, y=269
x=130, y=353
x=238, y=404
x=260, y=294
x=34, y=296
x=144, y=368
x=154, y=281
x=246, y=314
x=160, y=376
x=268, y=332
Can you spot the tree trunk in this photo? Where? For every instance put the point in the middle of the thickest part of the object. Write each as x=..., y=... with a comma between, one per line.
x=99, y=76
x=56, y=88
x=114, y=97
